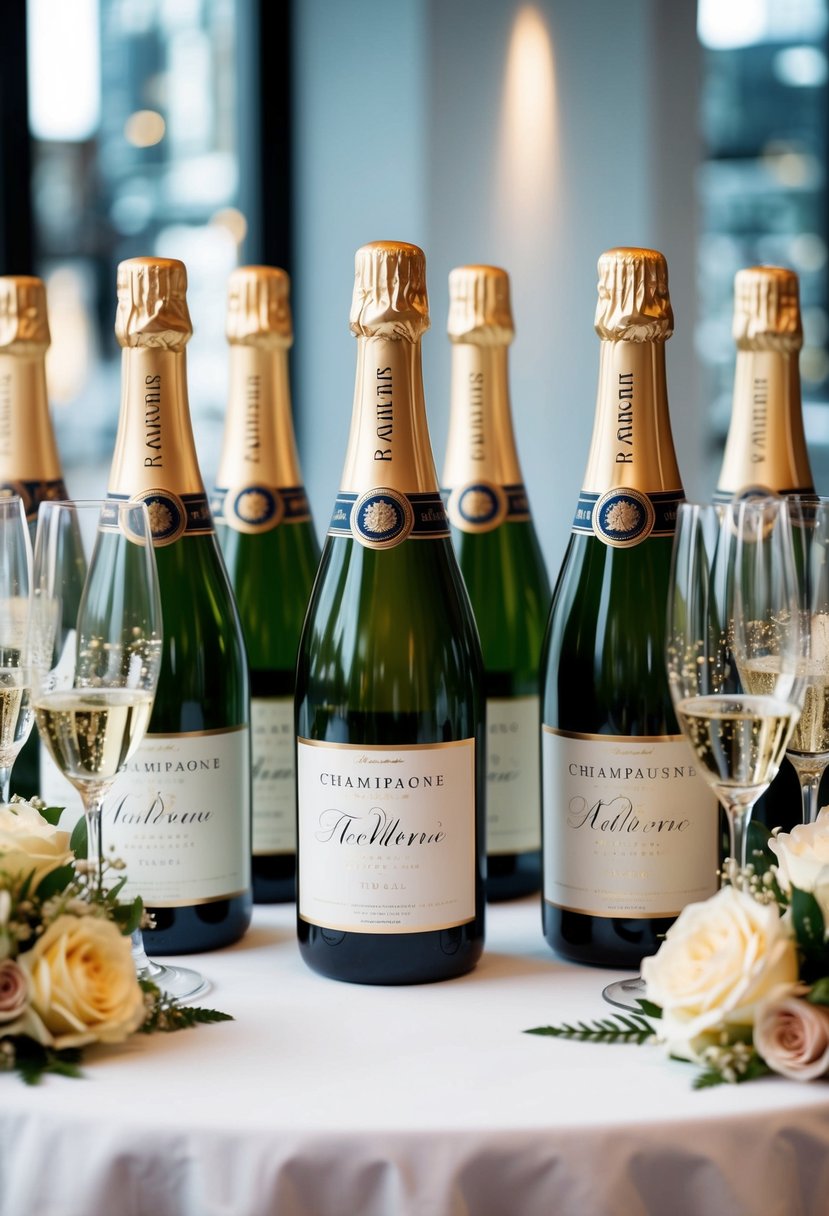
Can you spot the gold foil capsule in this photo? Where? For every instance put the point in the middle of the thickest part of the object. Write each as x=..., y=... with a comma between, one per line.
x=479, y=306
x=259, y=307
x=767, y=309
x=24, y=323
x=152, y=304
x=390, y=299
x=634, y=304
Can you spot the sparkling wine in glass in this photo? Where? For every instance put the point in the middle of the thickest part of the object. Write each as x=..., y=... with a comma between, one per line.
x=96, y=633
x=736, y=648
x=16, y=714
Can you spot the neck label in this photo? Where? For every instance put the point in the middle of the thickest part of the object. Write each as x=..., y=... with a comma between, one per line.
x=623, y=517
x=481, y=506
x=259, y=508
x=382, y=518
x=171, y=515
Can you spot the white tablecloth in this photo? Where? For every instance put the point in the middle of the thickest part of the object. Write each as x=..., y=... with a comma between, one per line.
x=329, y=1099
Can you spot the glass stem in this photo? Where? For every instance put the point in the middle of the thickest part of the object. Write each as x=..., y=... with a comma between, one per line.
x=145, y=969
x=5, y=782
x=809, y=786
x=94, y=849
x=738, y=820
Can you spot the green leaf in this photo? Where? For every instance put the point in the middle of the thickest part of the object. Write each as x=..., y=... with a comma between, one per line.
x=758, y=852
x=33, y=1061
x=51, y=814
x=78, y=841
x=632, y=1029
x=128, y=916
x=649, y=1008
x=755, y=1067
x=818, y=994
x=55, y=882
x=165, y=1015
x=809, y=928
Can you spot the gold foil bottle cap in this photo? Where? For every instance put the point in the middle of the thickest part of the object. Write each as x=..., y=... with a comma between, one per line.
x=479, y=306
x=634, y=304
x=24, y=323
x=152, y=304
x=389, y=298
x=767, y=309
x=259, y=307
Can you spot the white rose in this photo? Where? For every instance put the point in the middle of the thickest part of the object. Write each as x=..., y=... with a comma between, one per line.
x=718, y=960
x=30, y=845
x=792, y=1036
x=83, y=983
x=803, y=859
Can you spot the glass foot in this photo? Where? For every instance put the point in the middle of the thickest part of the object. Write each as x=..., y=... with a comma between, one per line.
x=626, y=994
x=179, y=983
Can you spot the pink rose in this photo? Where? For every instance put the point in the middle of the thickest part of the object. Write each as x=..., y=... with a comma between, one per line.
x=14, y=990
x=792, y=1036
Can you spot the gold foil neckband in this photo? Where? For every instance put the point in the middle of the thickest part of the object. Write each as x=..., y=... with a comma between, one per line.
x=24, y=323
x=634, y=304
x=767, y=309
x=259, y=307
x=390, y=299
x=479, y=306
x=152, y=304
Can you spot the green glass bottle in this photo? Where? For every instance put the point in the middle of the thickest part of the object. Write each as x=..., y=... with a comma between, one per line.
x=270, y=549
x=629, y=825
x=503, y=569
x=390, y=702
x=765, y=450
x=179, y=816
x=29, y=462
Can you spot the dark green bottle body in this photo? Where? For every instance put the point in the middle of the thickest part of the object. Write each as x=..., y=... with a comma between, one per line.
x=390, y=659
x=272, y=575
x=507, y=582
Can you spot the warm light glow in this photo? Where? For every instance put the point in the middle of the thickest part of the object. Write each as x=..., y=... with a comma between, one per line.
x=64, y=69
x=233, y=220
x=144, y=128
x=529, y=134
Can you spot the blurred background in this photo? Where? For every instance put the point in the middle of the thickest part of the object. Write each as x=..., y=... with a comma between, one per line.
x=532, y=136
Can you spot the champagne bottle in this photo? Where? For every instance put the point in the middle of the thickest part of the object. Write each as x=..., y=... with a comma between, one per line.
x=29, y=461
x=629, y=826
x=389, y=703
x=502, y=566
x=765, y=450
x=179, y=816
x=270, y=549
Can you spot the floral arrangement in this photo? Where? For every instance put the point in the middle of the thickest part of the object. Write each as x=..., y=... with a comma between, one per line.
x=67, y=977
x=740, y=984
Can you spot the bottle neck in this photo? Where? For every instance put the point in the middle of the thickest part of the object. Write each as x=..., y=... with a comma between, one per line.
x=155, y=454
x=259, y=447
x=766, y=445
x=481, y=441
x=631, y=485
x=27, y=442
x=388, y=444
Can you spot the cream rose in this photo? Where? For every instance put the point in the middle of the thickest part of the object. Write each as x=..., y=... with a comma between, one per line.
x=718, y=960
x=803, y=859
x=30, y=845
x=83, y=983
x=792, y=1036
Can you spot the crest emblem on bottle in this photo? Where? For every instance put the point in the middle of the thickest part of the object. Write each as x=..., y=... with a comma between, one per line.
x=168, y=517
x=477, y=507
x=382, y=518
x=254, y=508
x=623, y=517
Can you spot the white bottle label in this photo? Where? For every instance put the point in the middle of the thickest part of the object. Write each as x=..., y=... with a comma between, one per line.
x=513, y=799
x=386, y=836
x=274, y=779
x=630, y=825
x=178, y=816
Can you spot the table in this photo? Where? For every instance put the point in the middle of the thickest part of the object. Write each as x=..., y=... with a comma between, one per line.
x=329, y=1099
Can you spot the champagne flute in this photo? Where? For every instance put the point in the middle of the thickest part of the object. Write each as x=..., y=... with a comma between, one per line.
x=16, y=714
x=736, y=649
x=808, y=749
x=96, y=634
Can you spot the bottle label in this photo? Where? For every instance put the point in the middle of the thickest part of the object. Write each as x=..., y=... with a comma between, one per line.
x=274, y=777
x=386, y=836
x=513, y=797
x=259, y=508
x=623, y=517
x=630, y=826
x=481, y=506
x=179, y=816
x=171, y=515
x=382, y=518
x=33, y=493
